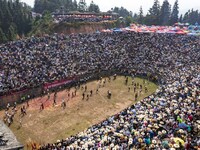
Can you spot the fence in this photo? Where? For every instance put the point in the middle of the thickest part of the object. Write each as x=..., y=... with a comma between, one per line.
x=27, y=94
x=20, y=96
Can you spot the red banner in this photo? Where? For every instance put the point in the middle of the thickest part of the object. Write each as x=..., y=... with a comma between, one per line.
x=58, y=83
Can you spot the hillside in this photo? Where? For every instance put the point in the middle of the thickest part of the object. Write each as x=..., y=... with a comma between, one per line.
x=82, y=27
x=68, y=28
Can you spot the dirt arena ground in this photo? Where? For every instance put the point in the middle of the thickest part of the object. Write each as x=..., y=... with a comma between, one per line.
x=55, y=123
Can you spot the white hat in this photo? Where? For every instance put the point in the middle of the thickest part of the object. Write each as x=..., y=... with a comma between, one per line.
x=154, y=141
x=164, y=131
x=176, y=146
x=180, y=131
x=58, y=141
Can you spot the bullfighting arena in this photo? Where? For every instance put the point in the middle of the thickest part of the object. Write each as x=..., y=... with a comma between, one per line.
x=56, y=122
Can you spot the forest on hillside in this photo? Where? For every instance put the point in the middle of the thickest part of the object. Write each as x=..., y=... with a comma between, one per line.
x=166, y=14
x=16, y=18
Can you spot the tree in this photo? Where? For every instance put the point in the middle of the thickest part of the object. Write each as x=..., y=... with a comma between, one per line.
x=165, y=13
x=186, y=16
x=2, y=36
x=37, y=6
x=175, y=13
x=41, y=25
x=128, y=20
x=75, y=5
x=193, y=16
x=122, y=11
x=141, y=17
x=69, y=5
x=82, y=6
x=181, y=18
x=93, y=7
x=154, y=13
x=11, y=35
x=15, y=19
x=135, y=16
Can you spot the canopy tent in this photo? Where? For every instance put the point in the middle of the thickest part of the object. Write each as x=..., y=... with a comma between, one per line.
x=183, y=30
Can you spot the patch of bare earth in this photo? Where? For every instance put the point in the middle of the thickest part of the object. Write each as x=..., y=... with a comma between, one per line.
x=55, y=123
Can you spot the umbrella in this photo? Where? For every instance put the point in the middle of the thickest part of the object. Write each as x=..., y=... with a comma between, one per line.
x=179, y=140
x=182, y=125
x=165, y=144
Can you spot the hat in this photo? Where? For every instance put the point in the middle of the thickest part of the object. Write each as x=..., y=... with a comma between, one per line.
x=58, y=141
x=164, y=131
x=156, y=126
x=143, y=133
x=176, y=146
x=135, y=122
x=152, y=146
x=154, y=141
x=112, y=145
x=81, y=142
x=162, y=123
x=136, y=133
x=180, y=131
x=130, y=142
x=140, y=140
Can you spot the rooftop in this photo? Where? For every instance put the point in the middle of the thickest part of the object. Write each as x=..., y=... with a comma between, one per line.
x=8, y=140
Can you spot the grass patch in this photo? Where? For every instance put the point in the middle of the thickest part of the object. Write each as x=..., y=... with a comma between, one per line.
x=55, y=123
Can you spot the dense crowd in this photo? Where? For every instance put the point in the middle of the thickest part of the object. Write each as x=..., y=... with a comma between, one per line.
x=72, y=19
x=168, y=119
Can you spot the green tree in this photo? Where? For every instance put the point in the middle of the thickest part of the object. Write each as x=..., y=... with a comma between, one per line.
x=42, y=25
x=75, y=5
x=122, y=11
x=165, y=13
x=154, y=13
x=175, y=13
x=38, y=6
x=2, y=36
x=93, y=7
x=15, y=19
x=128, y=20
x=141, y=17
x=68, y=5
x=11, y=35
x=180, y=19
x=82, y=6
x=186, y=16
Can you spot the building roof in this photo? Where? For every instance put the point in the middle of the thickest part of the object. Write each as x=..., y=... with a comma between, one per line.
x=84, y=13
x=7, y=135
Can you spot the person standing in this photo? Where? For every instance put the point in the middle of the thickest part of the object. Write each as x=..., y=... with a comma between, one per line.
x=54, y=99
x=91, y=93
x=48, y=96
x=63, y=105
x=83, y=96
x=41, y=107
x=136, y=96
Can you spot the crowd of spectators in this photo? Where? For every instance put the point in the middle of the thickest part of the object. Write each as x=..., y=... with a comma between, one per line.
x=72, y=19
x=168, y=119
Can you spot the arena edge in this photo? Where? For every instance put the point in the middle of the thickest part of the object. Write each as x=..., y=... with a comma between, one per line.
x=29, y=93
